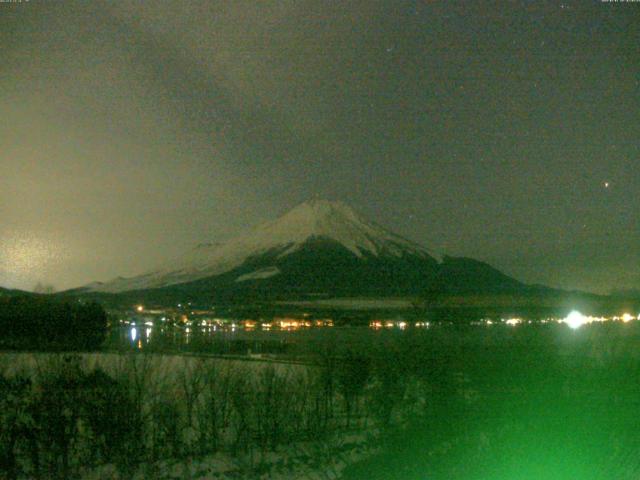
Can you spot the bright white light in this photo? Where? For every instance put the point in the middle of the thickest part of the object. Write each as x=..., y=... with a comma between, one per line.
x=575, y=320
x=134, y=334
x=627, y=317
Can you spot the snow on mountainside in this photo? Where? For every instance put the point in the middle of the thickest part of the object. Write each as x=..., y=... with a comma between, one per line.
x=259, y=274
x=335, y=221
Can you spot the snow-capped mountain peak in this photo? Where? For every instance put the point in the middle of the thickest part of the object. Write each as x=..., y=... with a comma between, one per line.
x=314, y=219
x=335, y=221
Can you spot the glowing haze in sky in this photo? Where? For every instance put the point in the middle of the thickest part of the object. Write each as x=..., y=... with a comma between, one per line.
x=134, y=130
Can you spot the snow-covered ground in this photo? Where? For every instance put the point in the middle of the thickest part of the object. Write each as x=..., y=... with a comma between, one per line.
x=158, y=367
x=300, y=461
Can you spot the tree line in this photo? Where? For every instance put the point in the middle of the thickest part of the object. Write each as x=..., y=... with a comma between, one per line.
x=43, y=323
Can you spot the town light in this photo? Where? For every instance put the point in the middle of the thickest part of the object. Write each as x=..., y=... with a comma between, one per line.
x=627, y=317
x=575, y=319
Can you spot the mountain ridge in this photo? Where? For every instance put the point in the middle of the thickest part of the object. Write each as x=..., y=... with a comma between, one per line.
x=319, y=248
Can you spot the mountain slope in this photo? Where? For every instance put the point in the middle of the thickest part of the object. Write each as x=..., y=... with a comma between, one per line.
x=318, y=219
x=318, y=249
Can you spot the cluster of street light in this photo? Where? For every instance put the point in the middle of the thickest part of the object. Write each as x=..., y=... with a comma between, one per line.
x=574, y=320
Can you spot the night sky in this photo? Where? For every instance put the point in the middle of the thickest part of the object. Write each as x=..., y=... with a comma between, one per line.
x=132, y=131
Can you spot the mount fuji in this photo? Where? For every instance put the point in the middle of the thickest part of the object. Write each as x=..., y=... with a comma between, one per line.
x=319, y=248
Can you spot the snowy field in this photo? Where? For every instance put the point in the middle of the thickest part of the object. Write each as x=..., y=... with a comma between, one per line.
x=157, y=368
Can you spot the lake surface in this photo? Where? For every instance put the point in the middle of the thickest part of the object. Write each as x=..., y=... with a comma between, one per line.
x=291, y=342
x=610, y=338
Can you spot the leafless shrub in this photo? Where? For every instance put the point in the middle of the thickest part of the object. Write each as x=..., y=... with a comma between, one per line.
x=216, y=407
x=242, y=400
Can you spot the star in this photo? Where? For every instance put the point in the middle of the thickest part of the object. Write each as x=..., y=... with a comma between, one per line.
x=606, y=184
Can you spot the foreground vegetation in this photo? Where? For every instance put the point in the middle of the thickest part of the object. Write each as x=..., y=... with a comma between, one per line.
x=43, y=323
x=67, y=416
x=474, y=403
